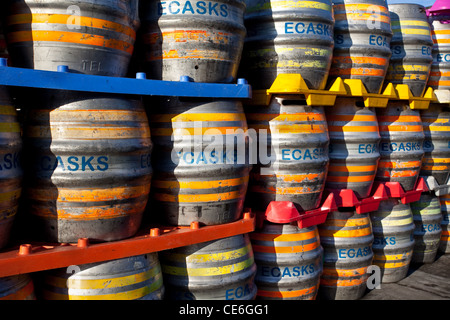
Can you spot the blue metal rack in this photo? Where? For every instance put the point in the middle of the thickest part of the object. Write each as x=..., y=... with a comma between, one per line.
x=64, y=80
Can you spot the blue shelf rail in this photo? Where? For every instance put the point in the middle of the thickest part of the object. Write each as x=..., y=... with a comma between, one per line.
x=62, y=79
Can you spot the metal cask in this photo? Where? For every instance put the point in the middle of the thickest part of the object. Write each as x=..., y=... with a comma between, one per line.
x=346, y=238
x=18, y=287
x=354, y=146
x=411, y=47
x=289, y=261
x=427, y=219
x=444, y=244
x=199, y=39
x=362, y=36
x=401, y=146
x=92, y=37
x=88, y=166
x=221, y=269
x=287, y=37
x=392, y=227
x=292, y=158
x=436, y=127
x=200, y=160
x=132, y=278
x=440, y=67
x=11, y=173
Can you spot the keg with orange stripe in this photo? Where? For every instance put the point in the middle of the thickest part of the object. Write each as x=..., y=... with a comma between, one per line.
x=289, y=261
x=222, y=269
x=436, y=127
x=427, y=217
x=401, y=146
x=346, y=238
x=287, y=37
x=362, y=36
x=200, y=160
x=354, y=146
x=199, y=39
x=10, y=165
x=132, y=278
x=440, y=67
x=393, y=227
x=444, y=244
x=17, y=287
x=411, y=47
x=88, y=166
x=292, y=159
x=91, y=37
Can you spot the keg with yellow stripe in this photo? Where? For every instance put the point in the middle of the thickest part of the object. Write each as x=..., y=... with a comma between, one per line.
x=199, y=39
x=221, y=269
x=287, y=37
x=436, y=127
x=411, y=47
x=200, y=160
x=10, y=166
x=88, y=166
x=401, y=146
x=393, y=227
x=17, y=287
x=91, y=37
x=440, y=67
x=362, y=36
x=354, y=146
x=346, y=238
x=444, y=244
x=427, y=234
x=132, y=278
x=289, y=261
x=292, y=160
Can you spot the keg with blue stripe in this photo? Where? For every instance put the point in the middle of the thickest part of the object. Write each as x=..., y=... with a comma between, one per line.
x=17, y=287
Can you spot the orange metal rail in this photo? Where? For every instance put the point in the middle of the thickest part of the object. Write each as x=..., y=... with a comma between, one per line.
x=33, y=257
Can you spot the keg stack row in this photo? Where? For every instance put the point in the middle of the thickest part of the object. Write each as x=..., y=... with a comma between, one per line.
x=97, y=165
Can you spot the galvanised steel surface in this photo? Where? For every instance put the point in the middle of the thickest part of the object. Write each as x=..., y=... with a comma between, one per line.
x=91, y=37
x=88, y=166
x=288, y=37
x=440, y=68
x=346, y=238
x=362, y=36
x=392, y=227
x=132, y=278
x=444, y=244
x=436, y=127
x=289, y=261
x=200, y=160
x=427, y=217
x=354, y=146
x=10, y=165
x=199, y=39
x=401, y=146
x=411, y=47
x=292, y=159
x=221, y=269
x=17, y=287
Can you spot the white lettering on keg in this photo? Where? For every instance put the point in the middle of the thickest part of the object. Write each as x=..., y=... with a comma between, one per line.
x=380, y=41
x=401, y=146
x=431, y=227
x=238, y=293
x=74, y=163
x=287, y=272
x=374, y=280
x=354, y=253
x=374, y=21
x=302, y=155
x=88, y=65
x=309, y=28
x=388, y=241
x=9, y=161
x=368, y=148
x=74, y=20
x=191, y=8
